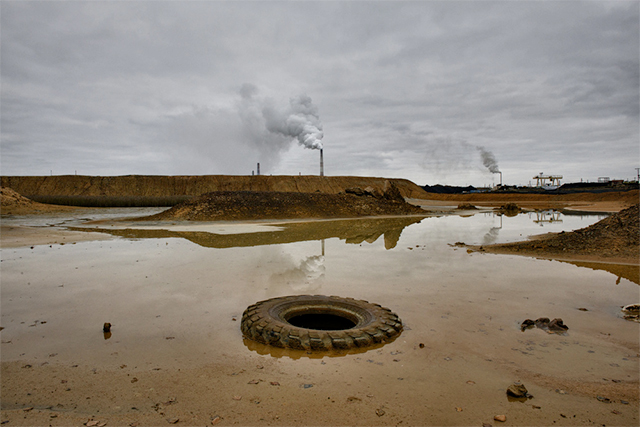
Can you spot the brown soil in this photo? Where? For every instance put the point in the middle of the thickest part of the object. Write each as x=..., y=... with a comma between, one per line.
x=246, y=205
x=12, y=203
x=165, y=186
x=612, y=201
x=615, y=238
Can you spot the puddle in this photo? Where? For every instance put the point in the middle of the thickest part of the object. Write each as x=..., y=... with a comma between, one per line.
x=175, y=298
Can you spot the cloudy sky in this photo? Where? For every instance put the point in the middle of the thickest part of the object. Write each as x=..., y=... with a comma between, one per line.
x=419, y=90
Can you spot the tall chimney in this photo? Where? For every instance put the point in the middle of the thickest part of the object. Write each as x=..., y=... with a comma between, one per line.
x=258, y=170
x=321, y=164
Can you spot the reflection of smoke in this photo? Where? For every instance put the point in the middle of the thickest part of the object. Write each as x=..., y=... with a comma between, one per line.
x=491, y=236
x=304, y=277
x=488, y=159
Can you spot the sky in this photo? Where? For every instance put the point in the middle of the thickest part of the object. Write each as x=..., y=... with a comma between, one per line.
x=434, y=92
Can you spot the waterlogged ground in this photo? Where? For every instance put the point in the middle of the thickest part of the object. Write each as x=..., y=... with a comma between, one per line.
x=175, y=294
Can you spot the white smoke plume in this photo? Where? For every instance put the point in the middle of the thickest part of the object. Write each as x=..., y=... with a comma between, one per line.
x=301, y=121
x=488, y=160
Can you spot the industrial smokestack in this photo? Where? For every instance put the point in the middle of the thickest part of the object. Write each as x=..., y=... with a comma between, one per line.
x=321, y=163
x=258, y=169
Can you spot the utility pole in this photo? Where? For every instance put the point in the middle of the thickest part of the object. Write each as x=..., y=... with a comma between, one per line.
x=638, y=172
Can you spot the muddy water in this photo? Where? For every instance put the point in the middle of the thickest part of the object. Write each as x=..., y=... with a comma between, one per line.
x=175, y=296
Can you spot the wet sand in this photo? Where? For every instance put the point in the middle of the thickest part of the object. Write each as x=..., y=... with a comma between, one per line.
x=176, y=352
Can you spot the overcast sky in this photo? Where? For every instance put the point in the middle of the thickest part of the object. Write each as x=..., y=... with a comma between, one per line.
x=417, y=90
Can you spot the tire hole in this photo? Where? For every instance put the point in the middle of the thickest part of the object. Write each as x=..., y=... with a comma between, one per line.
x=322, y=322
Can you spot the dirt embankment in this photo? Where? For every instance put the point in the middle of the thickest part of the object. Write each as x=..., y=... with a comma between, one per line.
x=12, y=203
x=167, y=186
x=250, y=205
x=616, y=238
x=613, y=201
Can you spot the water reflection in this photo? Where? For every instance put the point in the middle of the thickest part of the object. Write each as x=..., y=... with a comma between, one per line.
x=354, y=231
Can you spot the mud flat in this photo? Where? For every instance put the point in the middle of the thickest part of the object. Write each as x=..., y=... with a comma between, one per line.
x=175, y=296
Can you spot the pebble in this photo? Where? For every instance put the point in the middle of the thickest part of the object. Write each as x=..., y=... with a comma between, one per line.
x=215, y=420
x=237, y=397
x=173, y=420
x=380, y=412
x=501, y=418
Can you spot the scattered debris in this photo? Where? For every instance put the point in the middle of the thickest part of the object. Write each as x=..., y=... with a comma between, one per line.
x=556, y=325
x=631, y=312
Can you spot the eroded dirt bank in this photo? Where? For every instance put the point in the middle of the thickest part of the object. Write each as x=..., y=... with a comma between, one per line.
x=164, y=186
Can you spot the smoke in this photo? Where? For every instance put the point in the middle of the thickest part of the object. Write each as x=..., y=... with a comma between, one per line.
x=488, y=159
x=300, y=121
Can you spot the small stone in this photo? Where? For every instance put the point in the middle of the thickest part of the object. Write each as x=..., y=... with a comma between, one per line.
x=421, y=345
x=486, y=425
x=91, y=423
x=380, y=412
x=276, y=383
x=501, y=418
x=215, y=420
x=253, y=382
x=173, y=420
x=106, y=327
x=237, y=397
x=517, y=390
x=30, y=408
x=471, y=382
x=458, y=409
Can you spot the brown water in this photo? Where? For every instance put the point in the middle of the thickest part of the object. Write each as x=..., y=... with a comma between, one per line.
x=175, y=299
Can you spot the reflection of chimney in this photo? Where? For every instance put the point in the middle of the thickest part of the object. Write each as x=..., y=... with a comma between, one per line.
x=321, y=164
x=258, y=170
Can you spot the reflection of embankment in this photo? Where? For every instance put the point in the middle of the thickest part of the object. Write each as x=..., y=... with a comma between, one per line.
x=353, y=231
x=622, y=271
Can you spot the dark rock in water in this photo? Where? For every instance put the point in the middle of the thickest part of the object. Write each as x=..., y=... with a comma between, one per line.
x=557, y=325
x=542, y=322
x=106, y=327
x=528, y=323
x=517, y=390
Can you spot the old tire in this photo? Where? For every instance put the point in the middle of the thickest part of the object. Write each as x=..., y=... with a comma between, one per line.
x=362, y=324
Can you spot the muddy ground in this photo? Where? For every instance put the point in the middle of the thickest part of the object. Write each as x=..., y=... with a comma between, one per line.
x=256, y=390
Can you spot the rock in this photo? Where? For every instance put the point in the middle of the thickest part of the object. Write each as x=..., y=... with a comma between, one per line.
x=370, y=191
x=215, y=420
x=354, y=190
x=501, y=418
x=631, y=308
x=380, y=412
x=528, y=323
x=106, y=327
x=517, y=390
x=542, y=322
x=557, y=325
x=173, y=420
x=391, y=192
